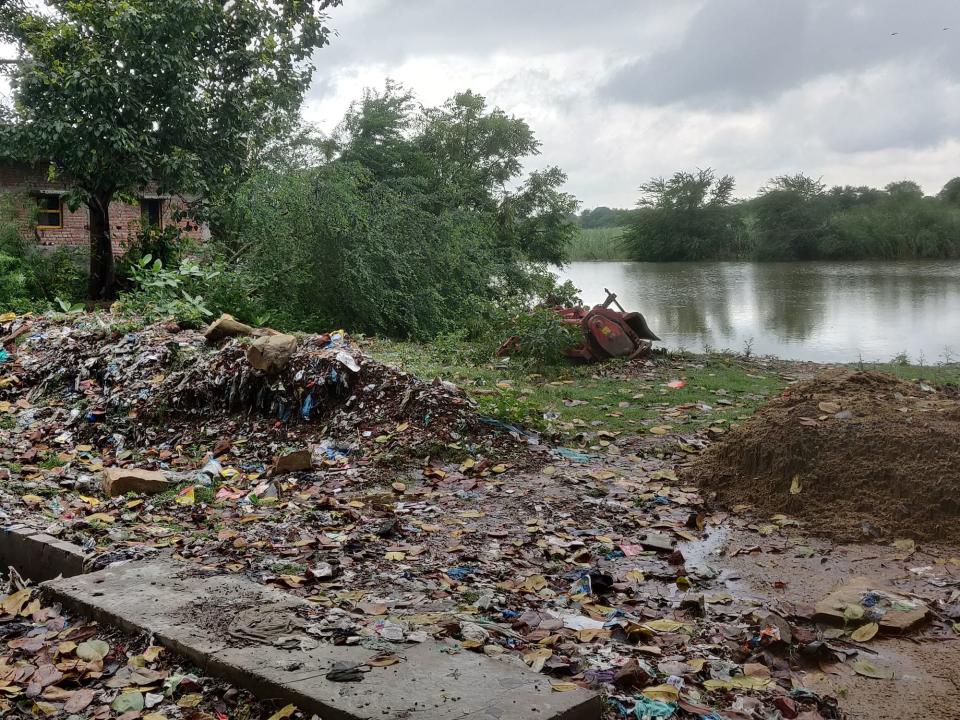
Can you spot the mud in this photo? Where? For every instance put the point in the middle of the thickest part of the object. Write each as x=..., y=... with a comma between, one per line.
x=854, y=455
x=790, y=573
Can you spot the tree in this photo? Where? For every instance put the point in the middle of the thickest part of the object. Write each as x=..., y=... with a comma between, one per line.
x=688, y=216
x=118, y=94
x=792, y=216
x=950, y=193
x=421, y=222
x=905, y=189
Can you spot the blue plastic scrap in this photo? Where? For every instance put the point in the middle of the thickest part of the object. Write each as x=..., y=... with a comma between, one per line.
x=4, y=355
x=459, y=573
x=647, y=709
x=571, y=454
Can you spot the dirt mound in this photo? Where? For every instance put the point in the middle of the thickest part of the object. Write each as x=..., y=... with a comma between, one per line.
x=854, y=455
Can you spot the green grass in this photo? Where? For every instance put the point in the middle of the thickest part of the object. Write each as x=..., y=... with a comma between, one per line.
x=585, y=397
x=599, y=244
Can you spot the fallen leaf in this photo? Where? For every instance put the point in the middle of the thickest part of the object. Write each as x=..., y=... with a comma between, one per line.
x=868, y=669
x=664, y=625
x=795, y=486
x=865, y=632
x=853, y=612
x=12, y=604
x=187, y=496
x=394, y=555
x=128, y=701
x=79, y=701
x=383, y=660
x=93, y=650
x=282, y=713
x=191, y=700
x=663, y=693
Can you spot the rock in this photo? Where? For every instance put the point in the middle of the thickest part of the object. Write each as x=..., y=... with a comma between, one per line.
x=120, y=481
x=297, y=461
x=225, y=326
x=271, y=353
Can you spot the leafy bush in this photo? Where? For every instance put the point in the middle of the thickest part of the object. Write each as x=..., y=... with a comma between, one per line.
x=409, y=231
x=541, y=338
x=32, y=277
x=162, y=293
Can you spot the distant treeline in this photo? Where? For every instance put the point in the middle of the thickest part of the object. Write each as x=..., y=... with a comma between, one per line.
x=693, y=216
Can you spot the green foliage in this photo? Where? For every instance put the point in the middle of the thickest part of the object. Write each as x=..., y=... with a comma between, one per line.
x=688, y=216
x=795, y=217
x=409, y=230
x=542, y=337
x=603, y=243
x=162, y=292
x=30, y=277
x=792, y=215
x=604, y=217
x=117, y=94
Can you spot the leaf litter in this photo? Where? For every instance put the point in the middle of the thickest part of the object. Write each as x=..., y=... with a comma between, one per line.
x=414, y=516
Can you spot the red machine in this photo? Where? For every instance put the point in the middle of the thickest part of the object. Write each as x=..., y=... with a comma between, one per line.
x=606, y=333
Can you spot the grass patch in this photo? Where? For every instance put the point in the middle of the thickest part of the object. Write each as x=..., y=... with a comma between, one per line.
x=719, y=389
x=598, y=244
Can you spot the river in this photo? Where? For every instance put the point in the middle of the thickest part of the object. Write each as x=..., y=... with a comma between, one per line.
x=822, y=311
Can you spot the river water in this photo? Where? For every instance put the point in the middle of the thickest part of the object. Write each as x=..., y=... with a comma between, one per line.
x=823, y=311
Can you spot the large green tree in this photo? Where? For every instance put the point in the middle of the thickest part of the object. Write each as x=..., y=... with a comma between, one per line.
x=118, y=94
x=422, y=221
x=688, y=216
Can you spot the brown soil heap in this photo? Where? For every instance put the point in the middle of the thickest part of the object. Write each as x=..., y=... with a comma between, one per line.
x=853, y=454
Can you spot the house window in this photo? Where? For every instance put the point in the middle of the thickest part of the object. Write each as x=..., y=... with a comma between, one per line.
x=49, y=212
x=151, y=210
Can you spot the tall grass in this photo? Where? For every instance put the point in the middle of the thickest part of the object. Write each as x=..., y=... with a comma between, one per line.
x=599, y=244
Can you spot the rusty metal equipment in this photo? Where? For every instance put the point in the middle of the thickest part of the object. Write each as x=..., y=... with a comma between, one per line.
x=607, y=333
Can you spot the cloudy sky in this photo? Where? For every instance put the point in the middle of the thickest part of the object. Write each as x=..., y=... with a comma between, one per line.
x=853, y=91
x=621, y=90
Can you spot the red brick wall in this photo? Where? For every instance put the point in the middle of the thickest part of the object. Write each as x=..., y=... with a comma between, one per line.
x=23, y=183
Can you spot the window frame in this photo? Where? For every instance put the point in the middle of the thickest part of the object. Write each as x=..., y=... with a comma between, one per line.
x=145, y=214
x=49, y=211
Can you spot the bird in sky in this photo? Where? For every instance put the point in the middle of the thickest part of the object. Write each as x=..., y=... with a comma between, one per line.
x=896, y=33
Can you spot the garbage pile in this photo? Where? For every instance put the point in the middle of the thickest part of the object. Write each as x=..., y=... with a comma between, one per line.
x=127, y=383
x=854, y=455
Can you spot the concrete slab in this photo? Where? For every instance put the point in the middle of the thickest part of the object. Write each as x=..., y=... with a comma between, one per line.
x=192, y=615
x=38, y=556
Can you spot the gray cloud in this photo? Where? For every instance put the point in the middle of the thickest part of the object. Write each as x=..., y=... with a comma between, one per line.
x=746, y=51
x=620, y=90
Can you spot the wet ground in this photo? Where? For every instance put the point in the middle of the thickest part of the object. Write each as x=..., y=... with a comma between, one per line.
x=794, y=572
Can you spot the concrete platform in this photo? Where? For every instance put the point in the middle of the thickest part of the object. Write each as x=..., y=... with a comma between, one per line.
x=38, y=556
x=191, y=614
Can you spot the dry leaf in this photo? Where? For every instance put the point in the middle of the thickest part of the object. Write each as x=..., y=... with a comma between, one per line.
x=865, y=632
x=868, y=669
x=283, y=713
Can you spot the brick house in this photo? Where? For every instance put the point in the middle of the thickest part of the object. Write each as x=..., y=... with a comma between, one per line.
x=39, y=200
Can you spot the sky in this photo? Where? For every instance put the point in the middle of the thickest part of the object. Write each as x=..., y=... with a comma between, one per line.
x=619, y=91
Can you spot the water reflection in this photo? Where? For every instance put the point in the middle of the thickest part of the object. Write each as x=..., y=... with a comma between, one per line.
x=814, y=311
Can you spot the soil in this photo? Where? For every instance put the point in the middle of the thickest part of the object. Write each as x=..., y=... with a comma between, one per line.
x=854, y=455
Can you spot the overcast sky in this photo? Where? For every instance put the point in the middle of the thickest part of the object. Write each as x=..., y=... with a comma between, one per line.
x=621, y=90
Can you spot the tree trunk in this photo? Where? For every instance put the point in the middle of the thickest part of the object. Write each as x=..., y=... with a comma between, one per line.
x=101, y=284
